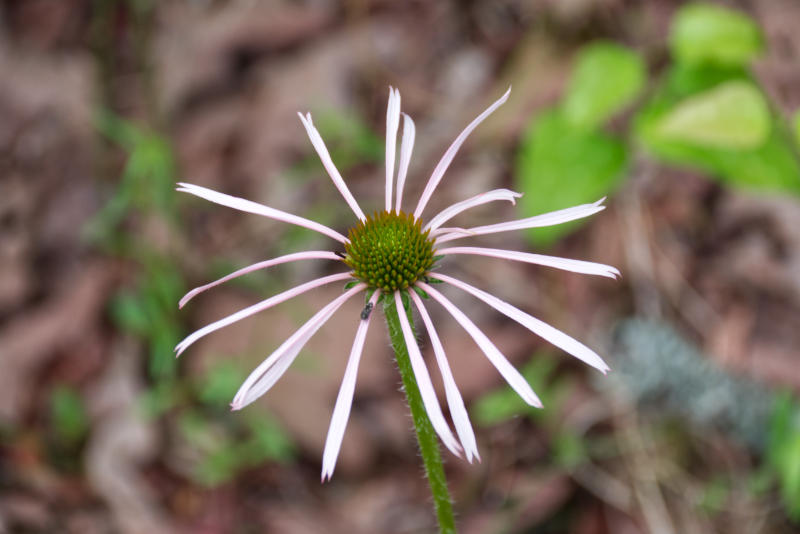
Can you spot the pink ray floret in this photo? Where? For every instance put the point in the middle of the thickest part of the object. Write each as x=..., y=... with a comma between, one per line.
x=259, y=209
x=344, y=401
x=406, y=147
x=458, y=412
x=310, y=255
x=501, y=363
x=540, y=328
x=490, y=196
x=424, y=382
x=258, y=307
x=327, y=162
x=576, y=266
x=392, y=123
x=271, y=369
x=444, y=163
x=537, y=221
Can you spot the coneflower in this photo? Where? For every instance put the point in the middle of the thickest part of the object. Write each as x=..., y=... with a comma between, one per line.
x=390, y=255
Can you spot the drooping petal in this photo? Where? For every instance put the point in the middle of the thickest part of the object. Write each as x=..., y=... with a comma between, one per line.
x=450, y=212
x=406, y=147
x=273, y=368
x=327, y=162
x=454, y=401
x=311, y=254
x=546, y=219
x=392, y=123
x=448, y=156
x=576, y=266
x=270, y=370
x=538, y=327
x=255, y=308
x=259, y=209
x=341, y=411
x=501, y=363
x=424, y=383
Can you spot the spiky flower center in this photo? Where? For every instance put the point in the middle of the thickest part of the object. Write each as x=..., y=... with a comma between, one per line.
x=389, y=251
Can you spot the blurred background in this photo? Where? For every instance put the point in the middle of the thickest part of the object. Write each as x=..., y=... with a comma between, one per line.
x=684, y=115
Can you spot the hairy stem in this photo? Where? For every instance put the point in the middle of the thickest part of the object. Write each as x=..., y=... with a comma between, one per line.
x=426, y=437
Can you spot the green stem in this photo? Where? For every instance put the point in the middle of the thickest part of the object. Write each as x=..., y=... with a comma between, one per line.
x=426, y=437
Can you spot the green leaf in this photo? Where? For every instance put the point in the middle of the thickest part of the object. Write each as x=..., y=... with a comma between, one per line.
x=129, y=314
x=783, y=453
x=147, y=181
x=162, y=363
x=218, y=466
x=269, y=440
x=607, y=77
x=351, y=284
x=421, y=292
x=705, y=33
x=220, y=454
x=715, y=495
x=569, y=450
x=682, y=80
x=559, y=166
x=498, y=406
x=220, y=384
x=790, y=477
x=771, y=166
x=504, y=403
x=158, y=399
x=68, y=414
x=733, y=115
x=796, y=124
x=117, y=129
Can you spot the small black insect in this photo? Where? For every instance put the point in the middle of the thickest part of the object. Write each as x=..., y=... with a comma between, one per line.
x=366, y=311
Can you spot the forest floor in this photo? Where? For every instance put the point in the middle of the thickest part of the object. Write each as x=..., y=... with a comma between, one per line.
x=104, y=106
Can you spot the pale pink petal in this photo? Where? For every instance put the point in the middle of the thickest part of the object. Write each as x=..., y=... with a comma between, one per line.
x=501, y=363
x=327, y=162
x=576, y=266
x=270, y=370
x=406, y=147
x=259, y=209
x=341, y=411
x=448, y=213
x=448, y=230
x=424, y=382
x=312, y=254
x=392, y=123
x=255, y=308
x=444, y=163
x=542, y=329
x=546, y=219
x=454, y=401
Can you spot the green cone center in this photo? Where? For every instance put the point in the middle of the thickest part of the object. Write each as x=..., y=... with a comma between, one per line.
x=389, y=251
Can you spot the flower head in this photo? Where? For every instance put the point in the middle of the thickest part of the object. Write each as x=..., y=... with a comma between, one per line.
x=387, y=254
x=389, y=251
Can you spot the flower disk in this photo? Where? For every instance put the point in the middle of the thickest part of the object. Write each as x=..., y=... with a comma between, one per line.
x=389, y=251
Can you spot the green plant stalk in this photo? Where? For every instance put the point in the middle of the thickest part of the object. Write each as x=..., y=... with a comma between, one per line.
x=426, y=437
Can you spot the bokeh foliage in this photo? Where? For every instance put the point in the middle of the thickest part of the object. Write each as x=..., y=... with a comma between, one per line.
x=704, y=111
